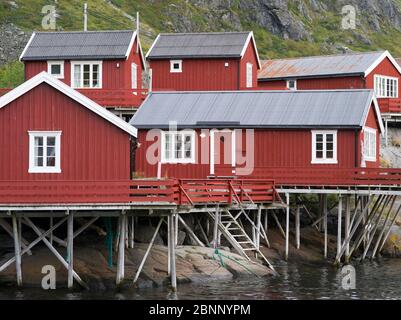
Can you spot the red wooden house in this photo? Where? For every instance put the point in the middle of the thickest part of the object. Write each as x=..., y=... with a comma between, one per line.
x=106, y=66
x=204, y=61
x=53, y=137
x=371, y=70
x=257, y=133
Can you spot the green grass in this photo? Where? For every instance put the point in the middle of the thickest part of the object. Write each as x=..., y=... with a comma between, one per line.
x=11, y=74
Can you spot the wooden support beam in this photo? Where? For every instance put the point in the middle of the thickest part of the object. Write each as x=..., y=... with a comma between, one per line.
x=59, y=241
x=279, y=225
x=389, y=230
x=17, y=250
x=51, y=233
x=259, y=225
x=9, y=229
x=202, y=231
x=190, y=232
x=132, y=233
x=70, y=249
x=298, y=226
x=176, y=220
x=339, y=222
x=121, y=251
x=347, y=225
x=172, y=255
x=287, y=224
x=216, y=227
x=325, y=213
x=147, y=251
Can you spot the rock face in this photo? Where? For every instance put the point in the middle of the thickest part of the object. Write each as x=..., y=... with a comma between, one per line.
x=12, y=42
x=392, y=246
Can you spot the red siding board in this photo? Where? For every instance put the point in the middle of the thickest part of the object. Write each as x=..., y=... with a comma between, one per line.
x=90, y=145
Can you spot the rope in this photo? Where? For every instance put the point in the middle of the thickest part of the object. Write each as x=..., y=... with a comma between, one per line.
x=221, y=256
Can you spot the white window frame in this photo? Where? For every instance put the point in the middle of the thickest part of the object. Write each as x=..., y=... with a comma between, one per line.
x=91, y=63
x=172, y=63
x=172, y=158
x=295, y=84
x=380, y=86
x=52, y=63
x=367, y=151
x=134, y=76
x=249, y=75
x=324, y=160
x=44, y=169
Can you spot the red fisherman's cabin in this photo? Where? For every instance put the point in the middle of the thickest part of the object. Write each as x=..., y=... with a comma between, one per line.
x=371, y=70
x=106, y=66
x=54, y=138
x=257, y=133
x=204, y=61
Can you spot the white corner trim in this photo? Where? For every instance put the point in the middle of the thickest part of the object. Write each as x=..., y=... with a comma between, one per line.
x=153, y=44
x=131, y=43
x=44, y=168
x=27, y=46
x=385, y=54
x=44, y=77
x=378, y=114
x=249, y=39
x=61, y=63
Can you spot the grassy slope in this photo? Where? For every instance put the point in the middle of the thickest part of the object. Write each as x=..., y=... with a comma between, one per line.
x=325, y=29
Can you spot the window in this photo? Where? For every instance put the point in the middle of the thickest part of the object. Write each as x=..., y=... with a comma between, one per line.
x=369, y=144
x=86, y=74
x=249, y=75
x=324, y=146
x=56, y=69
x=44, y=151
x=386, y=87
x=175, y=66
x=292, y=84
x=178, y=147
x=134, y=76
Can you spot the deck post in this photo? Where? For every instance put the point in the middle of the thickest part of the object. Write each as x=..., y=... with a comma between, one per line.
x=169, y=217
x=70, y=249
x=132, y=233
x=176, y=229
x=321, y=218
x=298, y=225
x=172, y=254
x=259, y=226
x=287, y=225
x=51, y=233
x=347, y=225
x=265, y=222
x=386, y=131
x=216, y=227
x=325, y=224
x=17, y=249
x=121, y=250
x=339, y=223
x=254, y=239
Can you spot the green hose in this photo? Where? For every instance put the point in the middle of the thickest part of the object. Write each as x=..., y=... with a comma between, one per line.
x=221, y=256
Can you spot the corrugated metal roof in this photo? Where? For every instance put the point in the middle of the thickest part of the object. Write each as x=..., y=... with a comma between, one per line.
x=352, y=63
x=198, y=45
x=78, y=45
x=255, y=109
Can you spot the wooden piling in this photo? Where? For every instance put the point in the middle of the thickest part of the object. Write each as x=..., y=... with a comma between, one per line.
x=325, y=224
x=298, y=226
x=216, y=227
x=287, y=225
x=121, y=251
x=17, y=250
x=172, y=255
x=339, y=222
x=70, y=249
x=258, y=226
x=347, y=225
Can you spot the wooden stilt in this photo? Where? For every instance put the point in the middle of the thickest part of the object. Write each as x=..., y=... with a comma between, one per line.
x=347, y=225
x=168, y=245
x=254, y=239
x=265, y=221
x=51, y=233
x=216, y=227
x=70, y=249
x=176, y=229
x=202, y=232
x=9, y=229
x=172, y=256
x=17, y=250
x=121, y=251
x=147, y=251
x=259, y=226
x=389, y=230
x=287, y=225
x=298, y=226
x=339, y=222
x=279, y=225
x=190, y=232
x=325, y=224
x=321, y=210
x=132, y=233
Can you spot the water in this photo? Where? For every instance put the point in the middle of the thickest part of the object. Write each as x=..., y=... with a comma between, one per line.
x=374, y=280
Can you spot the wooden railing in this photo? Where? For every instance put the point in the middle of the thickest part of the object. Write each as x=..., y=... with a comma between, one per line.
x=389, y=105
x=330, y=176
x=172, y=191
x=121, y=97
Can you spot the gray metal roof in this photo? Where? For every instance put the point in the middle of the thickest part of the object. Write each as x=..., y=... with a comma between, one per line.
x=198, y=45
x=78, y=45
x=255, y=109
x=348, y=64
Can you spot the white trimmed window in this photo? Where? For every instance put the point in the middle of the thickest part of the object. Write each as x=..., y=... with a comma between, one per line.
x=134, y=76
x=249, y=75
x=369, y=144
x=175, y=66
x=292, y=84
x=86, y=74
x=44, y=151
x=178, y=146
x=386, y=87
x=56, y=69
x=324, y=146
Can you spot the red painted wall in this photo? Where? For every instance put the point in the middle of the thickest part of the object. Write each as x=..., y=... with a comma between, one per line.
x=385, y=68
x=113, y=78
x=249, y=57
x=90, y=146
x=371, y=122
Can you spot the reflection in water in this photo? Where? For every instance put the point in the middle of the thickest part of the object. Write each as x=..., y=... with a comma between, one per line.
x=374, y=280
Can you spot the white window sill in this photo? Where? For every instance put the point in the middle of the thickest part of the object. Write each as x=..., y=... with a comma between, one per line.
x=324, y=162
x=44, y=170
x=370, y=159
x=178, y=162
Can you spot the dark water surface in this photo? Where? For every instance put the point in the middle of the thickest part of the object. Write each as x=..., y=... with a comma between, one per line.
x=374, y=280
